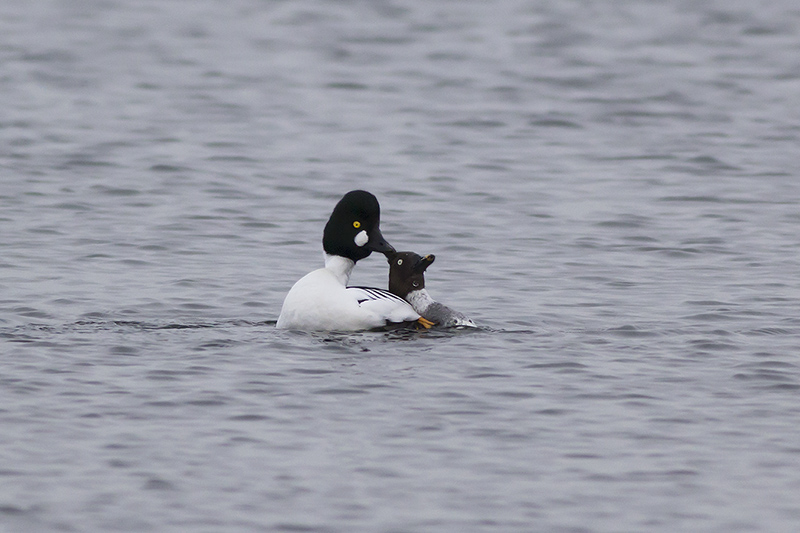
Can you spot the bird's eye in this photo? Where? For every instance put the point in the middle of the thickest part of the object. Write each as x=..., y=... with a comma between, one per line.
x=399, y=262
x=416, y=284
x=356, y=224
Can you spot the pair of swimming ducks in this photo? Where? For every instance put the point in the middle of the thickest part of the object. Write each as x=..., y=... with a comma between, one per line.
x=322, y=301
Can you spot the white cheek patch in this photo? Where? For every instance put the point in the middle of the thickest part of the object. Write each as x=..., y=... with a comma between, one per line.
x=361, y=238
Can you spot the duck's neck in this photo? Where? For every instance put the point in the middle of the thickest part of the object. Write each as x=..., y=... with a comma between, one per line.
x=341, y=267
x=420, y=300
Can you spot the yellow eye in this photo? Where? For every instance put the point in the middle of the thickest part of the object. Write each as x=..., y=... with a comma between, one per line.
x=356, y=224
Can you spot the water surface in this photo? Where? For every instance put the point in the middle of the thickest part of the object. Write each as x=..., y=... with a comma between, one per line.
x=611, y=192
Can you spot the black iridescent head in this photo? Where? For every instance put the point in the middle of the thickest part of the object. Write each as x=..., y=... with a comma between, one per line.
x=353, y=230
x=407, y=272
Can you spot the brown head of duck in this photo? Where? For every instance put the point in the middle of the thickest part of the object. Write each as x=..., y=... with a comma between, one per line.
x=407, y=272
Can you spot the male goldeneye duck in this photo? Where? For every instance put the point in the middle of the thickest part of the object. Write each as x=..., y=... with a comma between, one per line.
x=407, y=280
x=322, y=301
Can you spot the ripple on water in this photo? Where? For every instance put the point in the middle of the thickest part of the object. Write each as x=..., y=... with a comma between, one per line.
x=614, y=186
x=566, y=367
x=769, y=374
x=633, y=331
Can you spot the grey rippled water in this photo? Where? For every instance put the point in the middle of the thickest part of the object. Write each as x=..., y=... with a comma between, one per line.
x=611, y=192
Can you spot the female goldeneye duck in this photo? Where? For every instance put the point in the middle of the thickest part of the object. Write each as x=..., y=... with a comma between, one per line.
x=407, y=280
x=322, y=301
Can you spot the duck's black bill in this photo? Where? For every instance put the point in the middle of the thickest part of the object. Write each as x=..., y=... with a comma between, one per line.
x=378, y=244
x=423, y=263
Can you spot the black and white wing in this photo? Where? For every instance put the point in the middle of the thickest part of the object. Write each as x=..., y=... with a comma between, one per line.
x=384, y=303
